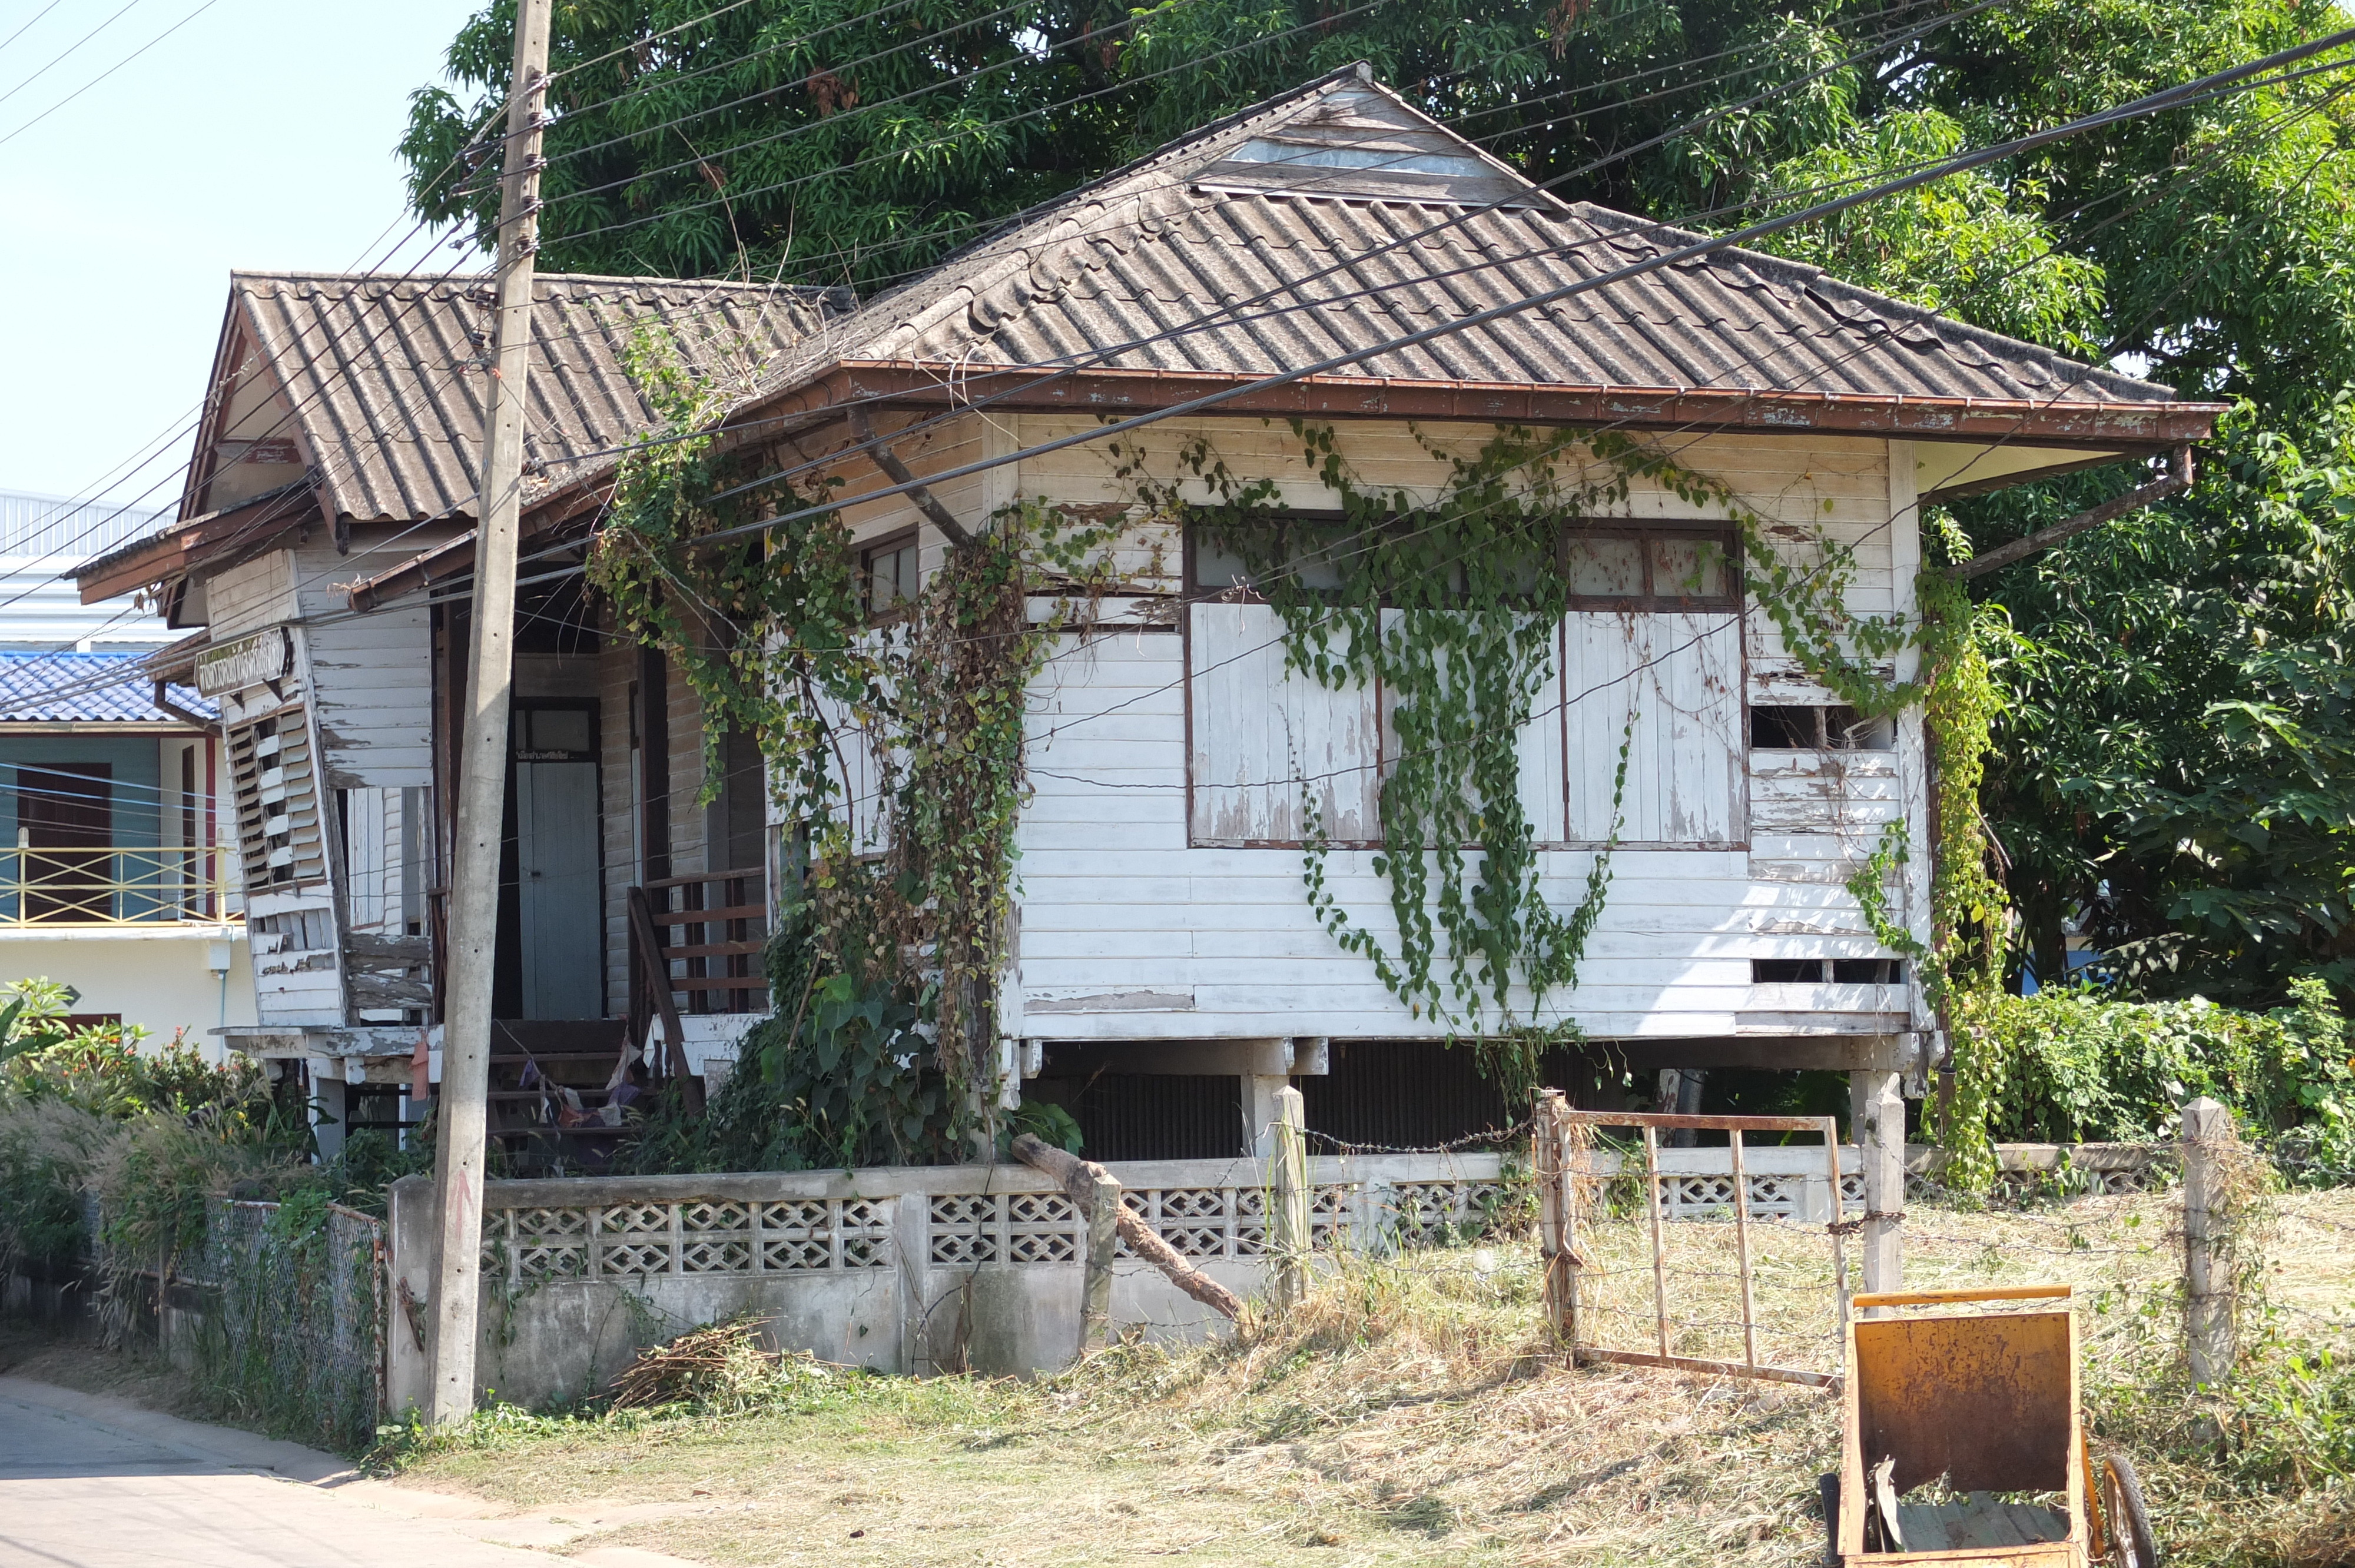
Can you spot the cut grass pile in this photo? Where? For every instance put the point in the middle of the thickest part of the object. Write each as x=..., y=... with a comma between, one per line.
x=1410, y=1413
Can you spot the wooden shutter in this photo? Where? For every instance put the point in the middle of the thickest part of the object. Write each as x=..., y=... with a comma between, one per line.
x=276, y=782
x=1681, y=674
x=1260, y=729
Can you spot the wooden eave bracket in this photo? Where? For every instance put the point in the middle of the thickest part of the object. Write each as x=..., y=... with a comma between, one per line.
x=2179, y=479
x=897, y=472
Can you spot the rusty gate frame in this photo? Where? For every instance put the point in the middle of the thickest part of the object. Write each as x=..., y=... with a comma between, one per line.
x=1559, y=1164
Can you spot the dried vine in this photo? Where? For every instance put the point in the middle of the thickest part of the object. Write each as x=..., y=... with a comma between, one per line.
x=899, y=938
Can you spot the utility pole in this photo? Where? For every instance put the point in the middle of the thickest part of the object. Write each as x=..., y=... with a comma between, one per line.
x=481, y=776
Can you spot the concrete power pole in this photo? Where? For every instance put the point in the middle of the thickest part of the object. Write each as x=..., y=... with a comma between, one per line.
x=482, y=777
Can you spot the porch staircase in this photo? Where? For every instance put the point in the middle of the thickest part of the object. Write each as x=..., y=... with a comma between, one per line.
x=533, y=1124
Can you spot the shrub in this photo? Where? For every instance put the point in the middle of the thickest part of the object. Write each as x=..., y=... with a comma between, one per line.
x=2079, y=1065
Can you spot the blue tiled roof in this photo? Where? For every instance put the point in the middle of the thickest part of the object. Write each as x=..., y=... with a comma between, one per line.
x=87, y=688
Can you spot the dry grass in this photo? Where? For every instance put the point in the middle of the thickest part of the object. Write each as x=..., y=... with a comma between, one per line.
x=1409, y=1414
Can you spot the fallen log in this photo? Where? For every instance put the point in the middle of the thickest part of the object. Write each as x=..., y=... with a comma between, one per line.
x=1077, y=1177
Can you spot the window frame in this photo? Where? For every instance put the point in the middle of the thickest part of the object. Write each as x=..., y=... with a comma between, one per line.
x=892, y=543
x=1650, y=600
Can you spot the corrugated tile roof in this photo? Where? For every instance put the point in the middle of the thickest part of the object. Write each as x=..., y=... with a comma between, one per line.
x=386, y=376
x=87, y=688
x=1344, y=171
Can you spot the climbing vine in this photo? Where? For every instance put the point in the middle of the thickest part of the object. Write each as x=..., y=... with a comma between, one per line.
x=886, y=962
x=1448, y=605
x=1961, y=966
x=1446, y=602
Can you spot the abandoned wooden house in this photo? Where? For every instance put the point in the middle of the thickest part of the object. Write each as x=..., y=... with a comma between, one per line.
x=1165, y=972
x=341, y=433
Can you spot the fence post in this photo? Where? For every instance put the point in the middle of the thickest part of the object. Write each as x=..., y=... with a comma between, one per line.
x=2207, y=1142
x=1549, y=1158
x=1881, y=1138
x=1103, y=1243
x=1290, y=1158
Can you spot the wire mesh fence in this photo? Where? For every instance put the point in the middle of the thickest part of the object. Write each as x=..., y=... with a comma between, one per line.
x=289, y=1331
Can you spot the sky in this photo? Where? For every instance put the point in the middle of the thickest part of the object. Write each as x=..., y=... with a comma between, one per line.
x=258, y=134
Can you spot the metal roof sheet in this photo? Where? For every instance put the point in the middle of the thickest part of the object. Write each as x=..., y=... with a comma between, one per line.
x=386, y=372
x=1162, y=265
x=87, y=688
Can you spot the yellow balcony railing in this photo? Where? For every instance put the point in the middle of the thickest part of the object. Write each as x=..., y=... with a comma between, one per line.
x=117, y=885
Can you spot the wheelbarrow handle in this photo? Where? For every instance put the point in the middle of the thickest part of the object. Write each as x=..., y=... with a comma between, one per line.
x=1968, y=1293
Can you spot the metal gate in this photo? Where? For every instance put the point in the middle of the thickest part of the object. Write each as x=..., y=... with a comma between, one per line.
x=1599, y=1249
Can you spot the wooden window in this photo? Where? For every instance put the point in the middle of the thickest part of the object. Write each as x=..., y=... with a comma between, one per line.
x=277, y=834
x=1842, y=971
x=888, y=574
x=1655, y=567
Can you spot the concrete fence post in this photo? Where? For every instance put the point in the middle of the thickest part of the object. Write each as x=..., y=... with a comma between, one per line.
x=2209, y=1142
x=1103, y=1244
x=1881, y=1137
x=1288, y=1281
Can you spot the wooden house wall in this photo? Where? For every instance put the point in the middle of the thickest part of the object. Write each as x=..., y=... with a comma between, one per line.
x=1136, y=921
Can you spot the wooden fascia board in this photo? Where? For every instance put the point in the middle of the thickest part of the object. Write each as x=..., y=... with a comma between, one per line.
x=235, y=330
x=175, y=554
x=1121, y=393
x=456, y=558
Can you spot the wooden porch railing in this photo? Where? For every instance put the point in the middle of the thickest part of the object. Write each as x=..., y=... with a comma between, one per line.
x=699, y=938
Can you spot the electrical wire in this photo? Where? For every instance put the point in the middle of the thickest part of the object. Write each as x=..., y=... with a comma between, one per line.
x=203, y=7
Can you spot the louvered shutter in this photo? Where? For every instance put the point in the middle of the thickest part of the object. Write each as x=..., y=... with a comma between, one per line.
x=276, y=781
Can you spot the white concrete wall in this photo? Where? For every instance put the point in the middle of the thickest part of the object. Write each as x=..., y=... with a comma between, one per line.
x=159, y=981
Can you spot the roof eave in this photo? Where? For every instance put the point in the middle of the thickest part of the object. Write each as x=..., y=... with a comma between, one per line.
x=182, y=548
x=2109, y=428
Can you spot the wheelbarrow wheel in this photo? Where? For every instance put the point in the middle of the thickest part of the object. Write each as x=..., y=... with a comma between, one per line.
x=2124, y=1516
x=1827, y=1489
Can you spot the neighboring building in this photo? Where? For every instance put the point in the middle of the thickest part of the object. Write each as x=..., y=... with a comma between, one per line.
x=114, y=880
x=1169, y=973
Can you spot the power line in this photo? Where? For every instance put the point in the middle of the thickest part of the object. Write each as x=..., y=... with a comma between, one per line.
x=69, y=50
x=93, y=81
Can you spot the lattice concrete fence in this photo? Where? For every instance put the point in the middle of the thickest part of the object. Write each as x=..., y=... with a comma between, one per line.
x=918, y=1269
x=937, y=1269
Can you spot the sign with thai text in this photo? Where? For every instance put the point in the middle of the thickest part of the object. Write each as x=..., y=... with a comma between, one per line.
x=248, y=662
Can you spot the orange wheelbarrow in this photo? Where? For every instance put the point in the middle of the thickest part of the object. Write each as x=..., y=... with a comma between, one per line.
x=1963, y=1445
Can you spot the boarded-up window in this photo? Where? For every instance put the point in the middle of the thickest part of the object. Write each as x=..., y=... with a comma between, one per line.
x=276, y=784
x=1680, y=673
x=1259, y=729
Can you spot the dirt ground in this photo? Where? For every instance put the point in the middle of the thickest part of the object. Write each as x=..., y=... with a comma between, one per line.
x=1410, y=1413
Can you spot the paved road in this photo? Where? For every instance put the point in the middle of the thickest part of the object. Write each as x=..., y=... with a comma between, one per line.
x=94, y=1483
